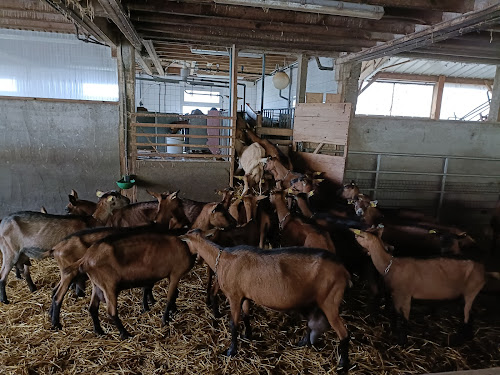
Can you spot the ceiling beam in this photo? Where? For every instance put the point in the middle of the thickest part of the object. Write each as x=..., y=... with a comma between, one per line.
x=260, y=26
x=463, y=59
x=394, y=77
x=442, y=31
x=142, y=63
x=102, y=32
x=154, y=57
x=117, y=14
x=457, y=6
x=242, y=35
x=271, y=15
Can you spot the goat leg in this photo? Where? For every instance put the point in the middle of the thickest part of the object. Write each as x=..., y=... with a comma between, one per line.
x=305, y=341
x=94, y=309
x=344, y=364
x=403, y=329
x=124, y=334
x=233, y=349
x=3, y=294
x=145, y=303
x=27, y=276
x=246, y=320
x=171, y=297
x=18, y=273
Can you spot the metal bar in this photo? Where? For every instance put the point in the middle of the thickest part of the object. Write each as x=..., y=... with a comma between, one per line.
x=233, y=64
x=149, y=114
x=424, y=173
x=432, y=191
x=443, y=183
x=178, y=145
x=379, y=157
x=423, y=155
x=262, y=80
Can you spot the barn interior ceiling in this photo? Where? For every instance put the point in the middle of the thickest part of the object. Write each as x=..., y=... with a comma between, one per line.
x=195, y=35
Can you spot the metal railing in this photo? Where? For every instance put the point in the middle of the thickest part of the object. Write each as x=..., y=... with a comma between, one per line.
x=160, y=136
x=278, y=118
x=440, y=182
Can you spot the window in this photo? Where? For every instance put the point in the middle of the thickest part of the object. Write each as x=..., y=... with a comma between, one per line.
x=8, y=85
x=99, y=91
x=396, y=99
x=467, y=102
x=202, y=100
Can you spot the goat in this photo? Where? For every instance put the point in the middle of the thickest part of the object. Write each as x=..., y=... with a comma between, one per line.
x=288, y=279
x=137, y=259
x=27, y=234
x=73, y=248
x=269, y=149
x=251, y=161
x=78, y=206
x=430, y=279
x=238, y=211
x=170, y=210
x=295, y=232
x=281, y=174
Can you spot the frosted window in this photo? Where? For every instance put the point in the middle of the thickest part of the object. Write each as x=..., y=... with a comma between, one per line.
x=51, y=65
x=201, y=97
x=462, y=100
x=395, y=99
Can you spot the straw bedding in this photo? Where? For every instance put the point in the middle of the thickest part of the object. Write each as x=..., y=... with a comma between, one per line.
x=194, y=342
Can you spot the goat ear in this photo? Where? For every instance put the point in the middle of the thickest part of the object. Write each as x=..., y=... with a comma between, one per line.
x=311, y=193
x=43, y=210
x=74, y=193
x=433, y=231
x=353, y=182
x=210, y=233
x=110, y=198
x=99, y=193
x=153, y=194
x=357, y=232
x=173, y=195
x=373, y=203
x=350, y=201
x=72, y=199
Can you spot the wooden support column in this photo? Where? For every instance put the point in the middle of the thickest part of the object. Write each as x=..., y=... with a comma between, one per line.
x=126, y=85
x=437, y=98
x=494, y=115
x=233, y=93
x=347, y=77
x=300, y=93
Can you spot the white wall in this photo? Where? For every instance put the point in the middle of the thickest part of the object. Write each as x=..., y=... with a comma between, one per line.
x=317, y=81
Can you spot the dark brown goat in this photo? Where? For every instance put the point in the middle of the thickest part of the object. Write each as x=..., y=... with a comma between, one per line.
x=429, y=279
x=78, y=206
x=282, y=175
x=125, y=261
x=27, y=234
x=283, y=280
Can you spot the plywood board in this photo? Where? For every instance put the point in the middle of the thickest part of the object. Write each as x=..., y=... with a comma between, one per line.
x=332, y=166
x=333, y=98
x=322, y=123
x=275, y=131
x=314, y=97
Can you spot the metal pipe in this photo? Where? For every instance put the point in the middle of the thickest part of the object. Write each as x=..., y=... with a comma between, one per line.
x=290, y=89
x=443, y=183
x=263, y=79
x=321, y=67
x=377, y=175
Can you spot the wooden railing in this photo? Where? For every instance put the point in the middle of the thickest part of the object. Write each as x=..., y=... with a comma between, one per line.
x=159, y=136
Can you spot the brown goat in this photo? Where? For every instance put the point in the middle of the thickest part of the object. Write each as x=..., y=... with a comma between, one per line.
x=170, y=210
x=429, y=279
x=78, y=206
x=282, y=175
x=283, y=280
x=238, y=211
x=295, y=232
x=27, y=234
x=138, y=259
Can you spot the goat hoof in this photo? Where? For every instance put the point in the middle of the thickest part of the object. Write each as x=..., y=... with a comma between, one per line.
x=5, y=301
x=99, y=332
x=33, y=288
x=343, y=366
x=57, y=327
x=125, y=336
x=231, y=352
x=304, y=342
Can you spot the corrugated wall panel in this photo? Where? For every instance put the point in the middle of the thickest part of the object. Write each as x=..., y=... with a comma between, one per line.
x=51, y=65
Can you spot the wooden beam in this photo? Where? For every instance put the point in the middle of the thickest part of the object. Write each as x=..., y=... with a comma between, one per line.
x=117, y=14
x=457, y=6
x=205, y=9
x=233, y=31
x=140, y=60
x=234, y=107
x=437, y=98
x=154, y=57
x=99, y=32
x=260, y=26
x=388, y=76
x=442, y=31
x=300, y=92
x=494, y=115
x=467, y=60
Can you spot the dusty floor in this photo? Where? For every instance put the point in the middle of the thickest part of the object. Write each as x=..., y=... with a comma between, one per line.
x=194, y=343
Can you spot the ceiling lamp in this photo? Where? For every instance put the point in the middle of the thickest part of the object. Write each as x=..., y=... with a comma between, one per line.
x=331, y=7
x=281, y=80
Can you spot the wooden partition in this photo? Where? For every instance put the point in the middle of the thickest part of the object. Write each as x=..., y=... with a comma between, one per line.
x=320, y=137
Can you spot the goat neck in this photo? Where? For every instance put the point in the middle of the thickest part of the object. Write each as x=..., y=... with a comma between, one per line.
x=304, y=205
x=281, y=210
x=380, y=258
x=205, y=249
x=202, y=222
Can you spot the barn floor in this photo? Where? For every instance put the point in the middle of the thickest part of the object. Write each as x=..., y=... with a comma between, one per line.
x=194, y=344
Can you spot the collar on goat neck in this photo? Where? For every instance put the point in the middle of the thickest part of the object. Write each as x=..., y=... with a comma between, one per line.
x=217, y=262
x=388, y=268
x=282, y=221
x=286, y=175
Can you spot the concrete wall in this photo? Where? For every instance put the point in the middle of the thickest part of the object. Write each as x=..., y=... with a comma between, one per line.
x=196, y=179
x=467, y=198
x=48, y=148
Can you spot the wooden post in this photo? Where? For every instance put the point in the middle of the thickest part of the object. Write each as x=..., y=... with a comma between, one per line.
x=437, y=98
x=494, y=115
x=234, y=107
x=126, y=87
x=300, y=93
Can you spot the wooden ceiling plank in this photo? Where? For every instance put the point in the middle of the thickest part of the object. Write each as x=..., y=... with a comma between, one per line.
x=433, y=34
x=148, y=44
x=271, y=15
x=143, y=64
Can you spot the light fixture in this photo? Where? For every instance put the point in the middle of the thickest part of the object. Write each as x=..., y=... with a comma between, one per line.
x=198, y=51
x=331, y=7
x=281, y=80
